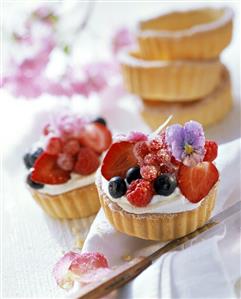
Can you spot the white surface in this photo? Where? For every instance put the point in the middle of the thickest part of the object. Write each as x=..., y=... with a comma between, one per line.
x=31, y=241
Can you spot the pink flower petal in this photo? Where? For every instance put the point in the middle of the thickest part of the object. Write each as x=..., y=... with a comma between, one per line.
x=61, y=268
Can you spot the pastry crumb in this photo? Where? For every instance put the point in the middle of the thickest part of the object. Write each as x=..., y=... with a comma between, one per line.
x=127, y=258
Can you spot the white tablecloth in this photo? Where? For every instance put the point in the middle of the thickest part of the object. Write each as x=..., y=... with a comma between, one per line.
x=31, y=241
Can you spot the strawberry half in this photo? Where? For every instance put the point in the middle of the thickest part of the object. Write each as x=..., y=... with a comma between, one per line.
x=87, y=161
x=196, y=182
x=118, y=160
x=96, y=136
x=47, y=171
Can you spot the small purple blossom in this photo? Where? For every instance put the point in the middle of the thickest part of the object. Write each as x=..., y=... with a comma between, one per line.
x=186, y=143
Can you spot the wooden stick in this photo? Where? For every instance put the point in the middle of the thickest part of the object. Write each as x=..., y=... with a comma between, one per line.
x=127, y=272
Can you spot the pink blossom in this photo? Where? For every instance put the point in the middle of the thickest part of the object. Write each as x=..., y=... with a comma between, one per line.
x=122, y=38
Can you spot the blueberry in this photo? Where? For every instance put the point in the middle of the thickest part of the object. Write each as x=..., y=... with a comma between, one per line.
x=133, y=174
x=100, y=120
x=117, y=187
x=33, y=156
x=32, y=184
x=165, y=184
x=26, y=159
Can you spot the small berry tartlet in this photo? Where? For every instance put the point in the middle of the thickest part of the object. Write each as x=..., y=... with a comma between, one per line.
x=162, y=186
x=63, y=163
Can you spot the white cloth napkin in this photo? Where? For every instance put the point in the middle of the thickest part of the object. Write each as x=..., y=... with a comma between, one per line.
x=191, y=269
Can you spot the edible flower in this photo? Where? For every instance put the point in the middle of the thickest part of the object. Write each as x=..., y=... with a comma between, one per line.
x=186, y=143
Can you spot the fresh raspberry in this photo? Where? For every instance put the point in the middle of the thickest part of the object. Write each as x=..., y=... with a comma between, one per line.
x=139, y=193
x=71, y=147
x=65, y=161
x=211, y=148
x=140, y=151
x=87, y=161
x=149, y=172
x=54, y=146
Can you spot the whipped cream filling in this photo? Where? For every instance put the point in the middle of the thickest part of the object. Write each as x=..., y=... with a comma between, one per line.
x=76, y=181
x=174, y=203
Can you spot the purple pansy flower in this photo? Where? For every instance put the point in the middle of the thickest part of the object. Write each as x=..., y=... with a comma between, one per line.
x=187, y=143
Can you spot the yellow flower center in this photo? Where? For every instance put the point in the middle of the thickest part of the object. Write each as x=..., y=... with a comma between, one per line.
x=188, y=149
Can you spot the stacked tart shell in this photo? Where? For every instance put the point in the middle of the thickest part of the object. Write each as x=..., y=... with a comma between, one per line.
x=176, y=68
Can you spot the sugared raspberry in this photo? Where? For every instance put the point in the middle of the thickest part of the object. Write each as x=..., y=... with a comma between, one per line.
x=163, y=156
x=87, y=161
x=166, y=168
x=140, y=151
x=155, y=144
x=54, y=146
x=65, y=161
x=71, y=147
x=150, y=159
x=149, y=172
x=46, y=129
x=175, y=162
x=139, y=193
x=211, y=148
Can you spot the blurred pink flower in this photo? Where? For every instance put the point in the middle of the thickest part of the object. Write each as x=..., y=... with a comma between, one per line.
x=122, y=38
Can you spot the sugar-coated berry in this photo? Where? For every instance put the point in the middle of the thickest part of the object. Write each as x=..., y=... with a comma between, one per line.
x=133, y=174
x=165, y=184
x=32, y=184
x=100, y=120
x=34, y=155
x=149, y=172
x=117, y=187
x=139, y=193
x=54, y=146
x=65, y=161
x=71, y=147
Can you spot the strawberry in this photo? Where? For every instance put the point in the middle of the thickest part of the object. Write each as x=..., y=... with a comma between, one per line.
x=96, y=136
x=196, y=182
x=54, y=146
x=211, y=148
x=139, y=193
x=46, y=171
x=118, y=160
x=87, y=161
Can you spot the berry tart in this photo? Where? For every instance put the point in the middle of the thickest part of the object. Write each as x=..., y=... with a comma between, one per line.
x=161, y=186
x=63, y=163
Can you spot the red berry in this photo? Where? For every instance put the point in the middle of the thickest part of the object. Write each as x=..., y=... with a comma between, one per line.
x=140, y=193
x=87, y=161
x=65, y=161
x=96, y=136
x=118, y=160
x=46, y=129
x=54, y=146
x=175, y=162
x=211, y=148
x=71, y=147
x=166, y=168
x=140, y=151
x=149, y=172
x=163, y=156
x=196, y=182
x=150, y=159
x=47, y=171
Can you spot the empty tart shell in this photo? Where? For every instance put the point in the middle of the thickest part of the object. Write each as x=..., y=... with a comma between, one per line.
x=161, y=227
x=194, y=34
x=208, y=110
x=78, y=203
x=169, y=80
